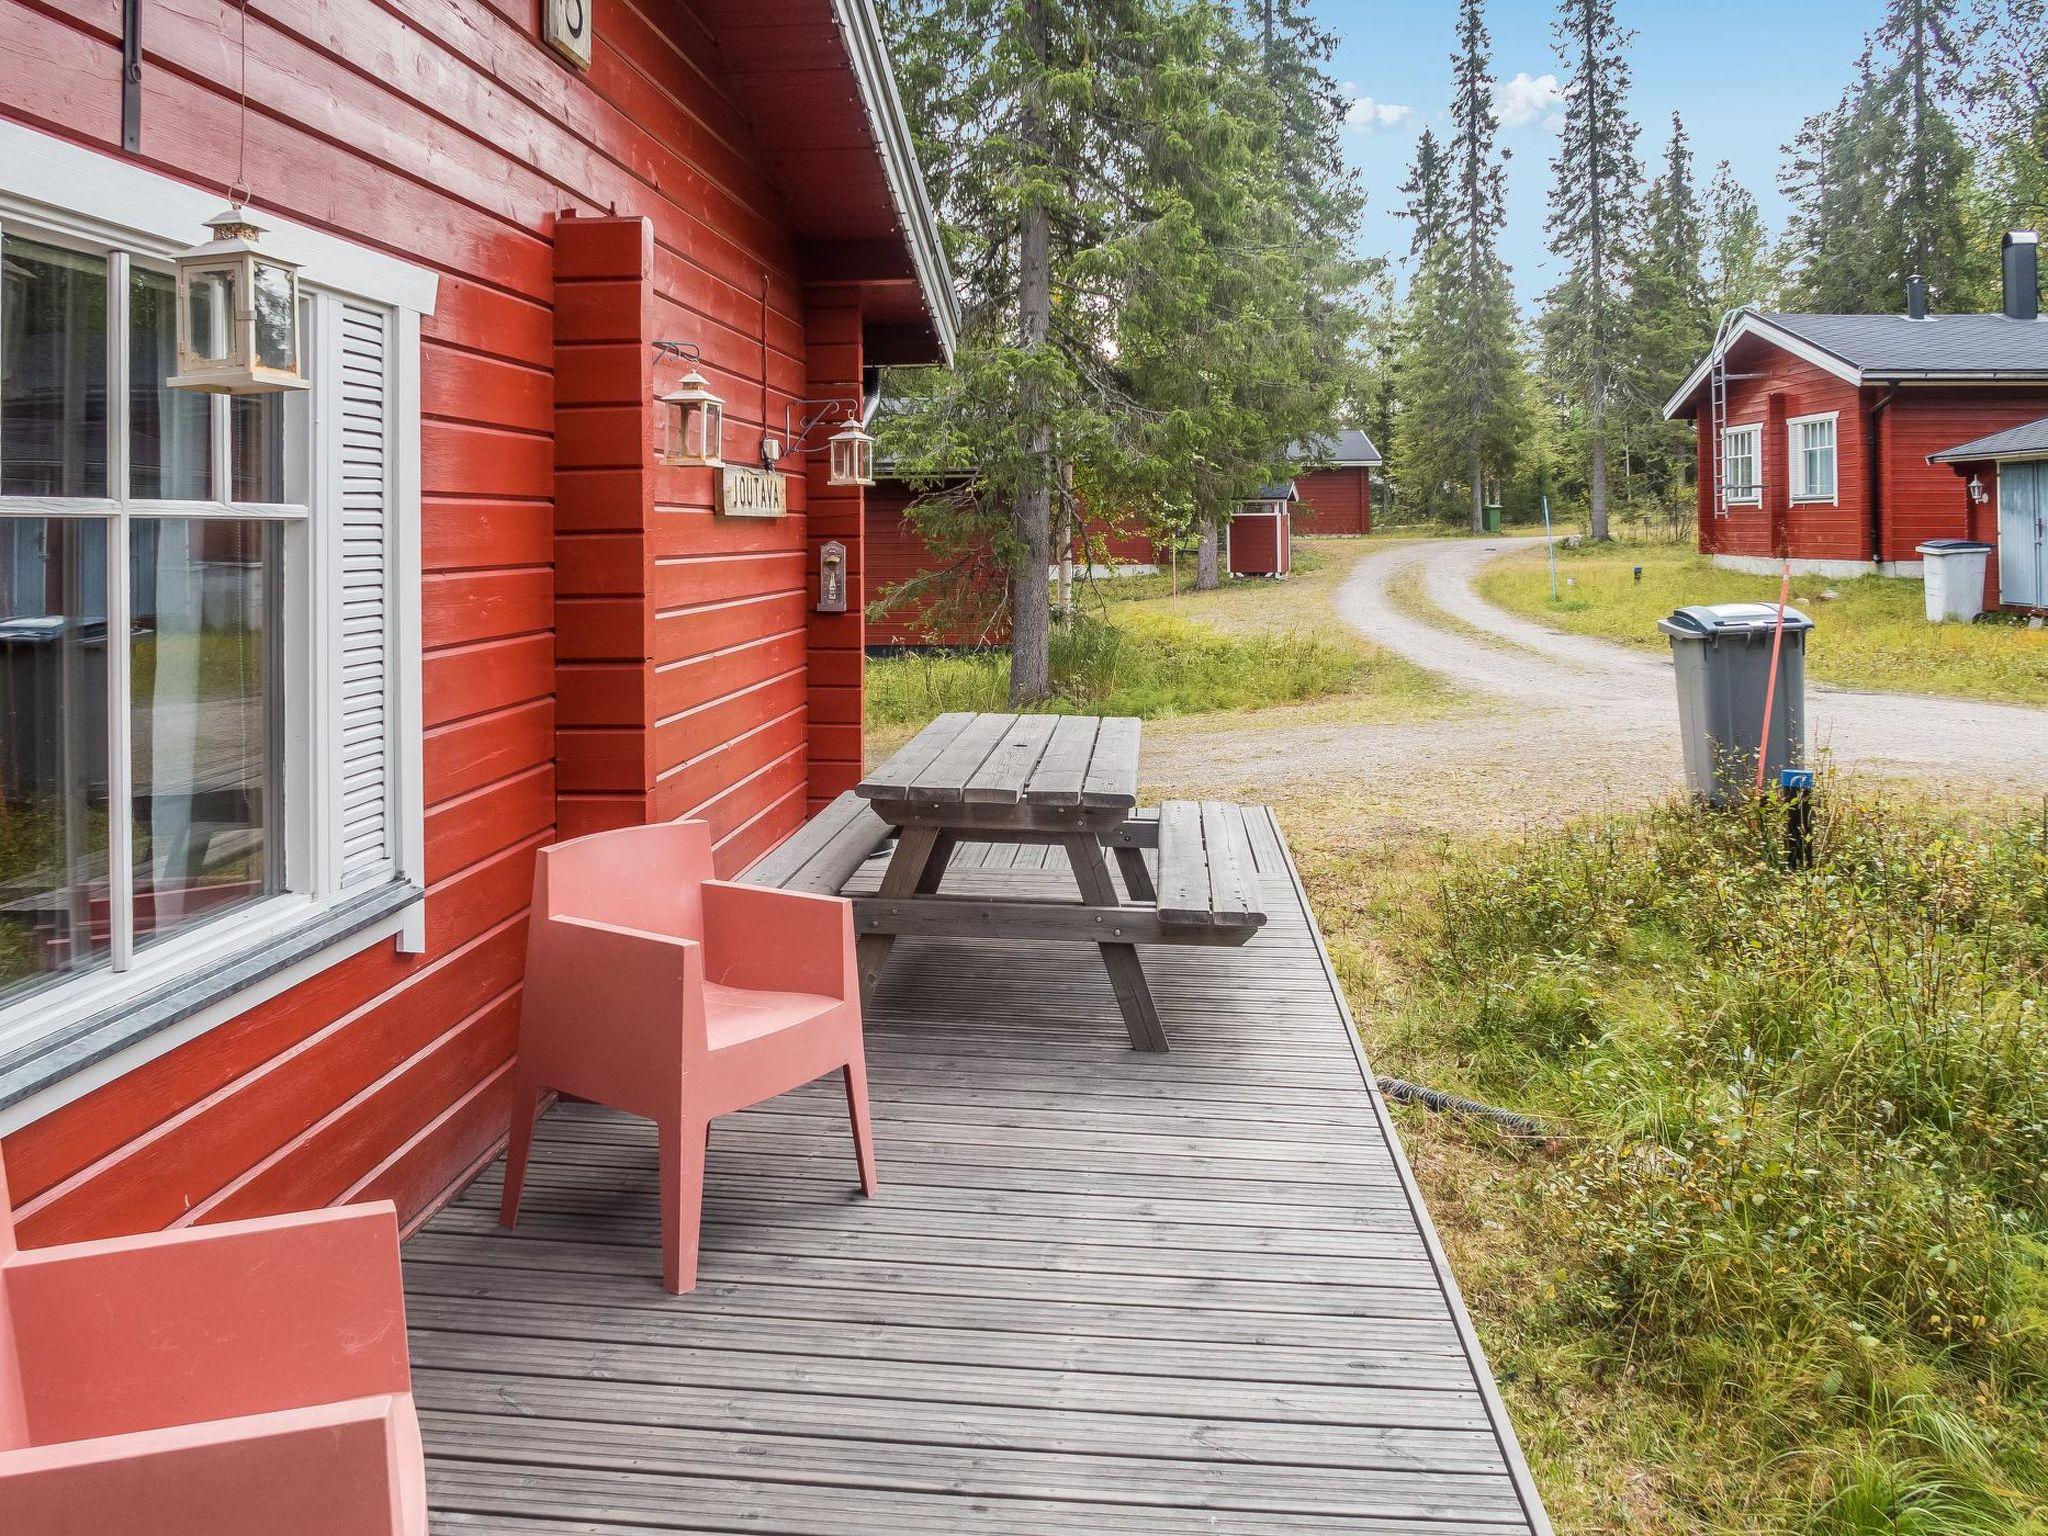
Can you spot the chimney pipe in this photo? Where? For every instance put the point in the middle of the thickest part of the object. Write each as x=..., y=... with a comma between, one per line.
x=2021, y=251
x=1916, y=297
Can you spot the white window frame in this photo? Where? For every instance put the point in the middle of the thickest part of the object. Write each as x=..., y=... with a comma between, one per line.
x=63, y=194
x=1754, y=495
x=1795, y=459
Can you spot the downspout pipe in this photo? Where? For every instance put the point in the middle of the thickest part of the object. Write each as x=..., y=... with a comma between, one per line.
x=1873, y=449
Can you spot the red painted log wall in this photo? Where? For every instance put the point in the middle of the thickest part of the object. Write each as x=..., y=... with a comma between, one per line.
x=443, y=132
x=1919, y=501
x=1334, y=501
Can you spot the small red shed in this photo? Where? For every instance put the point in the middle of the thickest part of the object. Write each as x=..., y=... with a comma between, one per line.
x=1335, y=483
x=1260, y=539
x=1815, y=432
x=262, y=921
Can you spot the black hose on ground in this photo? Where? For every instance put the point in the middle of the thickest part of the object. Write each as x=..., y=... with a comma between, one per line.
x=1449, y=1103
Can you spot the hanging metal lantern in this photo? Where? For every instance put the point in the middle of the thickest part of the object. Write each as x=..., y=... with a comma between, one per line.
x=694, y=432
x=853, y=455
x=238, y=313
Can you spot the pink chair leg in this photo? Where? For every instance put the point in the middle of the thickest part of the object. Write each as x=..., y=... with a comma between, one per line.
x=525, y=1110
x=857, y=1110
x=682, y=1145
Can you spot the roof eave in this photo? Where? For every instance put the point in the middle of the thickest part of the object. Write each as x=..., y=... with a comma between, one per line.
x=862, y=31
x=1755, y=324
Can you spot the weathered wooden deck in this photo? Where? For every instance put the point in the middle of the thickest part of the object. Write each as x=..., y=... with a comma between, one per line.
x=1100, y=1291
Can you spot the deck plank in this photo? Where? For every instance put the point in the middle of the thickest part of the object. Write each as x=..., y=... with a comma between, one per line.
x=1098, y=1291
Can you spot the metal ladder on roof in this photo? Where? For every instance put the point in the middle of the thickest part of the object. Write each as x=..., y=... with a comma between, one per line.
x=1717, y=397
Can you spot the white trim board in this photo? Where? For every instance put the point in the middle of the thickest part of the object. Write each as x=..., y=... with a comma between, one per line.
x=44, y=176
x=1848, y=570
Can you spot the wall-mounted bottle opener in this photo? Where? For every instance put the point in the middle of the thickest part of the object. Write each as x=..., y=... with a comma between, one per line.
x=832, y=577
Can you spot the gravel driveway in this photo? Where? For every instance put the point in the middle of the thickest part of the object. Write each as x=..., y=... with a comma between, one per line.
x=1557, y=723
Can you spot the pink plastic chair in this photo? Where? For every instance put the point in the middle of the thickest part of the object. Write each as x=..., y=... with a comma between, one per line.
x=653, y=988
x=245, y=1379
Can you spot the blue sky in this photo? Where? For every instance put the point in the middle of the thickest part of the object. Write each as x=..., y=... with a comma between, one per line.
x=1743, y=73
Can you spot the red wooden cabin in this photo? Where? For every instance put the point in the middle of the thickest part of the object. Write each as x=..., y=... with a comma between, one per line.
x=293, y=686
x=1816, y=431
x=1335, y=483
x=896, y=553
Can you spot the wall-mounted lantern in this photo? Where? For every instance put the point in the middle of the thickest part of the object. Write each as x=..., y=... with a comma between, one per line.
x=1978, y=495
x=238, y=313
x=853, y=455
x=693, y=418
x=850, y=451
x=832, y=577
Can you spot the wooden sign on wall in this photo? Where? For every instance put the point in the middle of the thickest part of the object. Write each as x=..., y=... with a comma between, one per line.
x=565, y=27
x=744, y=492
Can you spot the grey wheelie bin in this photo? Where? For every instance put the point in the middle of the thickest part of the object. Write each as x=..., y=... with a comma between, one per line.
x=1722, y=653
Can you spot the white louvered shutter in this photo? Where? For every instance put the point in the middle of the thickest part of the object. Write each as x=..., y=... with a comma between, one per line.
x=364, y=849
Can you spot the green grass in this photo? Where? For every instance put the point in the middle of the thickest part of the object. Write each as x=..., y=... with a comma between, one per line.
x=1142, y=664
x=1873, y=634
x=1784, y=1266
x=1137, y=648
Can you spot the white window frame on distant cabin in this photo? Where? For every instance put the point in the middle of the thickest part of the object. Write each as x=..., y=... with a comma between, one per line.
x=1797, y=449
x=336, y=575
x=1752, y=494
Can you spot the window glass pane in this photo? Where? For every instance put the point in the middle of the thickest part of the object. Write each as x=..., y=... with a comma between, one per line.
x=53, y=750
x=206, y=719
x=271, y=438
x=170, y=441
x=210, y=306
x=274, y=317
x=53, y=371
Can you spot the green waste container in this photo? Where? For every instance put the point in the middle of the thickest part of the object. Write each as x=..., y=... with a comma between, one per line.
x=1490, y=519
x=1722, y=654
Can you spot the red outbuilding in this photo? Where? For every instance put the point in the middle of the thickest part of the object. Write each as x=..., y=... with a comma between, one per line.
x=1335, y=483
x=1817, y=432
x=293, y=684
x=1260, y=538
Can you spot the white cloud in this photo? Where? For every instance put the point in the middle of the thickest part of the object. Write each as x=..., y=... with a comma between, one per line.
x=1364, y=115
x=1528, y=100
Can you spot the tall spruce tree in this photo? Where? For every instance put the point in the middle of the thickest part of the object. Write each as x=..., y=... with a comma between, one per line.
x=1461, y=372
x=1671, y=318
x=1592, y=203
x=1881, y=185
x=1146, y=320
x=1428, y=190
x=1741, y=266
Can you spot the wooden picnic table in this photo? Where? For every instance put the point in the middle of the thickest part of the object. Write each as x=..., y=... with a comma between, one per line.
x=1064, y=779
x=1068, y=780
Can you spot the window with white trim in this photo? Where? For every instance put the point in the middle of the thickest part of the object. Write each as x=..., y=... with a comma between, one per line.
x=1812, y=455
x=1741, y=476
x=198, y=682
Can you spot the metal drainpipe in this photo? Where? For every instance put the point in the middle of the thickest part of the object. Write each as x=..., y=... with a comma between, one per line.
x=1877, y=477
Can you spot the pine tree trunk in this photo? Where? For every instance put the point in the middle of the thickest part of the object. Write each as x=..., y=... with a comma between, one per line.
x=1030, y=599
x=1599, y=477
x=1207, y=575
x=1478, y=493
x=1065, y=540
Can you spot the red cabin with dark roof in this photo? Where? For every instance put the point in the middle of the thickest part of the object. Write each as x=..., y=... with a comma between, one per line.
x=1821, y=436
x=1334, y=484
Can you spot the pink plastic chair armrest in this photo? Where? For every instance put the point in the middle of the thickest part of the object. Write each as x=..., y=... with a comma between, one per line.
x=343, y=1469
x=778, y=941
x=134, y=1334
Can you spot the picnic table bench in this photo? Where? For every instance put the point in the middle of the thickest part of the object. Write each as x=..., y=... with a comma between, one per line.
x=1066, y=780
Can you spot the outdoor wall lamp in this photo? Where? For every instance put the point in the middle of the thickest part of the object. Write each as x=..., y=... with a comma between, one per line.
x=693, y=424
x=851, y=449
x=1978, y=494
x=238, y=313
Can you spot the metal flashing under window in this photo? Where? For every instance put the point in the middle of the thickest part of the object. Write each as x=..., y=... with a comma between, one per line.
x=43, y=1062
